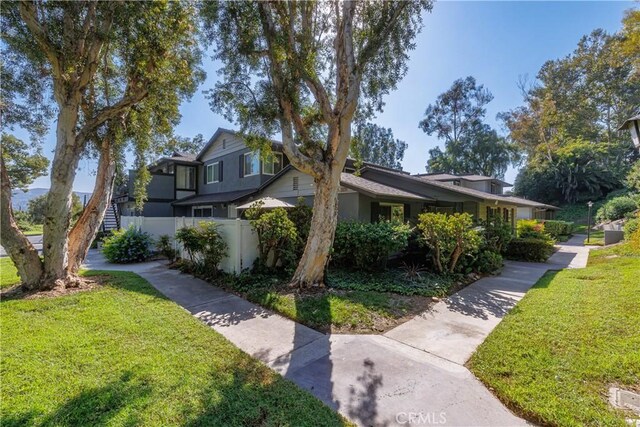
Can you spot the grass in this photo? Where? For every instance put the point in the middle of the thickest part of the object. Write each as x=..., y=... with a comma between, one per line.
x=8, y=273
x=33, y=230
x=354, y=302
x=553, y=358
x=596, y=238
x=124, y=355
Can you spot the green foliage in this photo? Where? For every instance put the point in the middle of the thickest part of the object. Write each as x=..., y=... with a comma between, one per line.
x=497, y=233
x=37, y=208
x=450, y=237
x=165, y=247
x=567, y=125
x=376, y=144
x=488, y=261
x=617, y=208
x=277, y=236
x=632, y=181
x=301, y=216
x=471, y=146
x=529, y=249
x=367, y=246
x=205, y=247
x=631, y=226
x=558, y=228
x=24, y=164
x=393, y=280
x=531, y=229
x=126, y=246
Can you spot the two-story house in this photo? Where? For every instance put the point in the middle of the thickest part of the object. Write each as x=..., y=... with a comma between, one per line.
x=226, y=173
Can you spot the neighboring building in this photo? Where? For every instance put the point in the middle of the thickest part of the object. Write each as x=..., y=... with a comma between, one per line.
x=226, y=173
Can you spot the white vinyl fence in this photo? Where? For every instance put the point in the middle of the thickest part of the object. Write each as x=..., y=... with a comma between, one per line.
x=237, y=233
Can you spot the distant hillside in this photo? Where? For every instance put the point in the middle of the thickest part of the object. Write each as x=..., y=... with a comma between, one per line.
x=21, y=199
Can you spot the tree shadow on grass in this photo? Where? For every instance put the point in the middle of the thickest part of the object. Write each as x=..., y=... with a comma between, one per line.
x=96, y=406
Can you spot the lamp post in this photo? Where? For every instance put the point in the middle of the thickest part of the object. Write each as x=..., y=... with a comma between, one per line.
x=590, y=204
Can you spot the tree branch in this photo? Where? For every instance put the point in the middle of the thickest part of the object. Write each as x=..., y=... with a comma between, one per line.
x=28, y=13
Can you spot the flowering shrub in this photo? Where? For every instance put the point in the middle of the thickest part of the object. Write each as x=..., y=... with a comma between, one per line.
x=531, y=229
x=125, y=246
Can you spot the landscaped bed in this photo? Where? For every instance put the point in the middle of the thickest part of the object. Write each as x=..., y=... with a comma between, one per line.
x=574, y=335
x=353, y=302
x=121, y=354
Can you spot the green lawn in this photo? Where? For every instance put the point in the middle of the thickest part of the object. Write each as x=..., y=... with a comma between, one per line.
x=553, y=358
x=34, y=230
x=8, y=273
x=124, y=355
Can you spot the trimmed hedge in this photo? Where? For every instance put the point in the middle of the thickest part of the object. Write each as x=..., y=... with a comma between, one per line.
x=367, y=246
x=528, y=249
x=558, y=228
x=617, y=208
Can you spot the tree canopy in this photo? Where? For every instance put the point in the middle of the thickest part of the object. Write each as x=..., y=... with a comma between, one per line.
x=471, y=146
x=376, y=144
x=568, y=125
x=24, y=164
x=304, y=69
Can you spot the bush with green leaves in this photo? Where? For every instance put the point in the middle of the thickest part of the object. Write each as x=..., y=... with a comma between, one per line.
x=127, y=245
x=531, y=229
x=367, y=246
x=301, y=216
x=165, y=247
x=617, y=208
x=497, y=233
x=556, y=228
x=205, y=247
x=488, y=261
x=529, y=249
x=449, y=237
x=277, y=237
x=631, y=226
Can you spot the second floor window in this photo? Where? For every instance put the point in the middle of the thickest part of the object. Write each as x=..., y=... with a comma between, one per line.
x=274, y=166
x=252, y=163
x=214, y=173
x=185, y=177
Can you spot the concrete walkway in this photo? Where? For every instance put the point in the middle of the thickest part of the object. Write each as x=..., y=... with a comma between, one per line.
x=411, y=375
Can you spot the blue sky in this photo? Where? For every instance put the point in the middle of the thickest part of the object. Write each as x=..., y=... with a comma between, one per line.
x=496, y=42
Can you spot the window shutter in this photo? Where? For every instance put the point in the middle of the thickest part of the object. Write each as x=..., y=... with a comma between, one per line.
x=206, y=169
x=375, y=211
x=407, y=212
x=241, y=167
x=220, y=168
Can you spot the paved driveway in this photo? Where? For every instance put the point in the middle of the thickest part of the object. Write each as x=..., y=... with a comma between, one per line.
x=36, y=241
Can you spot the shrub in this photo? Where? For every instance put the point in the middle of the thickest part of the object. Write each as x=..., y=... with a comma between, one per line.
x=497, y=234
x=277, y=237
x=205, y=246
x=634, y=240
x=367, y=246
x=301, y=216
x=529, y=249
x=616, y=208
x=128, y=245
x=558, y=228
x=165, y=247
x=488, y=262
x=449, y=237
x=630, y=227
x=531, y=229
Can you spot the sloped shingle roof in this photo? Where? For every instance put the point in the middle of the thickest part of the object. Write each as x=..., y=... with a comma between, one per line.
x=376, y=189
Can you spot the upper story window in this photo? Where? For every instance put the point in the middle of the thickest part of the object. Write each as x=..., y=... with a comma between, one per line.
x=495, y=188
x=214, y=172
x=251, y=163
x=274, y=166
x=185, y=177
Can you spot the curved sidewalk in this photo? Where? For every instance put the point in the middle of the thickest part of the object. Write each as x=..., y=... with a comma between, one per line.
x=411, y=375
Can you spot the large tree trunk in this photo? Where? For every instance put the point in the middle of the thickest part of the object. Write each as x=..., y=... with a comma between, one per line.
x=22, y=253
x=58, y=211
x=312, y=265
x=86, y=228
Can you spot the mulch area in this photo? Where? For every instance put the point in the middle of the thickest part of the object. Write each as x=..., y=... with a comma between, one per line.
x=79, y=284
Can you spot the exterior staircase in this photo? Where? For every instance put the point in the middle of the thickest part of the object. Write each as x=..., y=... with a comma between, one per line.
x=111, y=219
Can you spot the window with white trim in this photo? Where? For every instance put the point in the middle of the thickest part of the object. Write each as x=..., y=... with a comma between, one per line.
x=273, y=166
x=203, y=211
x=252, y=163
x=213, y=173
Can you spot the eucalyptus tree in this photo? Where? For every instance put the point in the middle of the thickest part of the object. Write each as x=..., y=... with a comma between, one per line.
x=113, y=73
x=24, y=163
x=376, y=144
x=303, y=69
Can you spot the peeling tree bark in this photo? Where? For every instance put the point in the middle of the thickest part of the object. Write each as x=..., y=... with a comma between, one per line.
x=24, y=255
x=86, y=228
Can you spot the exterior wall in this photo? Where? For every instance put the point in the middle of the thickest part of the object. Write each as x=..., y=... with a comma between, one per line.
x=283, y=187
x=477, y=185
